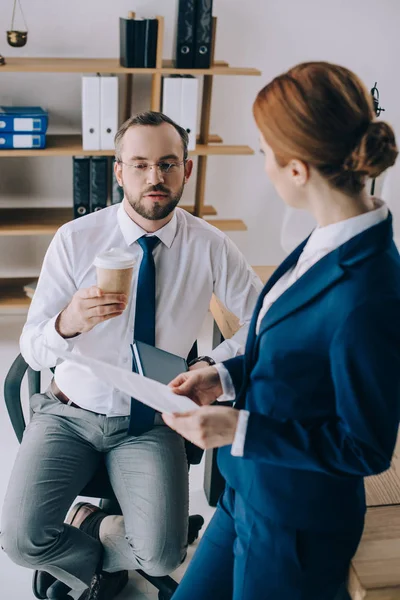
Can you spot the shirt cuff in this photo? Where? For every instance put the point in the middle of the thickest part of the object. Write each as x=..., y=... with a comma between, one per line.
x=54, y=340
x=240, y=435
x=228, y=390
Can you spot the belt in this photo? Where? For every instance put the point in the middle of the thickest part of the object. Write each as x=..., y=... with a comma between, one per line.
x=60, y=395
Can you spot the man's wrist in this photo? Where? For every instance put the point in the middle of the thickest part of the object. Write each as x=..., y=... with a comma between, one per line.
x=62, y=329
x=207, y=359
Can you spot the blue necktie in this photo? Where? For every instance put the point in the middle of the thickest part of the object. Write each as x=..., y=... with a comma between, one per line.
x=142, y=416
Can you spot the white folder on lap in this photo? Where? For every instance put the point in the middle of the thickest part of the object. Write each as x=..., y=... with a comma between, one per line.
x=91, y=112
x=150, y=392
x=108, y=111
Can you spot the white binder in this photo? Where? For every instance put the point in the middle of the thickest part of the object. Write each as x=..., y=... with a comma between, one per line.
x=172, y=98
x=108, y=111
x=91, y=112
x=180, y=96
x=190, y=88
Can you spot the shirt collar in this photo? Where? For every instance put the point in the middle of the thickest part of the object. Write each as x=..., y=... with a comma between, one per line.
x=332, y=236
x=132, y=231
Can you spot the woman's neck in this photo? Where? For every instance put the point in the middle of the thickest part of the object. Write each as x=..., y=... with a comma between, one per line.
x=332, y=206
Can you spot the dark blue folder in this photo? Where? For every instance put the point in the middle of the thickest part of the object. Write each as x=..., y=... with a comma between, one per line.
x=157, y=364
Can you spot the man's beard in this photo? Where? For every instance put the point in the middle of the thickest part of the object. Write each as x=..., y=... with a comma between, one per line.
x=158, y=210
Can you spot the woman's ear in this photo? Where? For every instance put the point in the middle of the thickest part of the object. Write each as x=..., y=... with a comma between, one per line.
x=299, y=171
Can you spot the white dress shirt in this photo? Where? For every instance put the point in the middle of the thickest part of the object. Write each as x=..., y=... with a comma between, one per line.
x=193, y=260
x=321, y=241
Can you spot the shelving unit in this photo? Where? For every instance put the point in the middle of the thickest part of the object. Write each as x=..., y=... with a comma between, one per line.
x=38, y=221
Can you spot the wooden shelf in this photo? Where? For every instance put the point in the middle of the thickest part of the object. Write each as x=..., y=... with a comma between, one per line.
x=44, y=221
x=71, y=145
x=33, y=221
x=208, y=211
x=111, y=65
x=228, y=224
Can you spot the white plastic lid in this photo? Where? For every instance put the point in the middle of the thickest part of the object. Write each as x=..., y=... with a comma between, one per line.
x=115, y=258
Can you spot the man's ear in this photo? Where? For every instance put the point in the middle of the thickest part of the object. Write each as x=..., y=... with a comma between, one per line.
x=188, y=169
x=118, y=172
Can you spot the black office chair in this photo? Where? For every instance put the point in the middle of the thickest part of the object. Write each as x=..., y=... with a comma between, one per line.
x=99, y=486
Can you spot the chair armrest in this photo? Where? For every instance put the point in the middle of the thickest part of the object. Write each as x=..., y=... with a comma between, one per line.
x=12, y=395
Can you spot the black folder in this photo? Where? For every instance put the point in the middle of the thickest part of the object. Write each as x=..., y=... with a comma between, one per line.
x=145, y=42
x=81, y=185
x=98, y=182
x=127, y=42
x=185, y=41
x=138, y=42
x=117, y=192
x=156, y=364
x=203, y=34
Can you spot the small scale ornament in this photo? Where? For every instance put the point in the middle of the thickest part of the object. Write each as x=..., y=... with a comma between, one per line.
x=16, y=37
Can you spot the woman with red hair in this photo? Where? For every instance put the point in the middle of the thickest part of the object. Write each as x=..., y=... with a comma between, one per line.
x=317, y=393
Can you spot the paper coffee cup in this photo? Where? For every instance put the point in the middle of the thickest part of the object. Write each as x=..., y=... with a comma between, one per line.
x=114, y=271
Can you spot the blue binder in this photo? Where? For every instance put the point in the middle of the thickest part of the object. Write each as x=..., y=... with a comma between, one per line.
x=23, y=119
x=22, y=140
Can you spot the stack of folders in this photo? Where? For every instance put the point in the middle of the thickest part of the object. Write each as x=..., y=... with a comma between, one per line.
x=99, y=111
x=22, y=127
x=91, y=178
x=180, y=102
x=194, y=35
x=138, y=43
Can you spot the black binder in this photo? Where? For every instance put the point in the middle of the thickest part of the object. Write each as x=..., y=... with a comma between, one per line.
x=81, y=185
x=98, y=182
x=145, y=43
x=185, y=42
x=150, y=43
x=127, y=42
x=203, y=35
x=117, y=192
x=138, y=42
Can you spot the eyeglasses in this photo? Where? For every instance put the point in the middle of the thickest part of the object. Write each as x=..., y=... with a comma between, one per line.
x=164, y=167
x=375, y=99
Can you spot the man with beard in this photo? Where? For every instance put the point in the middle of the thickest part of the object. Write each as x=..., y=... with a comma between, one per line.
x=180, y=262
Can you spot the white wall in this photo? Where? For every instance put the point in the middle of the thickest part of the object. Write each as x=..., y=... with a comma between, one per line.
x=269, y=34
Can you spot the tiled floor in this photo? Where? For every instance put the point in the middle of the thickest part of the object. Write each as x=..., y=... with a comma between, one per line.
x=15, y=582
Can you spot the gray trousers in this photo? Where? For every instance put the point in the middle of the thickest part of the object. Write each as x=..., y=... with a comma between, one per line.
x=60, y=451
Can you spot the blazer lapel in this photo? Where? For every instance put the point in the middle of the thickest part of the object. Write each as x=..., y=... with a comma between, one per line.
x=328, y=270
x=289, y=262
x=325, y=273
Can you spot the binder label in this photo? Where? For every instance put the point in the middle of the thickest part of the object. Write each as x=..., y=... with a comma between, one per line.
x=23, y=125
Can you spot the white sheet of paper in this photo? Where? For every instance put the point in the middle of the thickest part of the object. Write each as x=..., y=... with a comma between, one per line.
x=150, y=392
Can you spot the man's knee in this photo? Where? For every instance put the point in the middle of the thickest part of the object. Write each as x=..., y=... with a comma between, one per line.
x=159, y=563
x=26, y=548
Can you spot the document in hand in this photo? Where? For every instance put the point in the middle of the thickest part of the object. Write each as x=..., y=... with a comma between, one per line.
x=150, y=392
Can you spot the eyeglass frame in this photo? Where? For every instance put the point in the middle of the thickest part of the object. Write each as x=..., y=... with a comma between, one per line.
x=151, y=166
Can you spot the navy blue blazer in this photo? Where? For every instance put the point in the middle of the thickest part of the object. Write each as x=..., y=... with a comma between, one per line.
x=322, y=383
